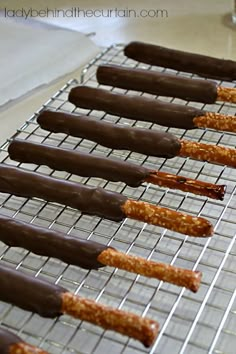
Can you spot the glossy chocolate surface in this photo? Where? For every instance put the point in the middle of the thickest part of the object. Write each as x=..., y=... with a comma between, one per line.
x=45, y=242
x=157, y=83
x=202, y=65
x=78, y=163
x=90, y=200
x=135, y=107
x=144, y=141
x=29, y=293
x=7, y=339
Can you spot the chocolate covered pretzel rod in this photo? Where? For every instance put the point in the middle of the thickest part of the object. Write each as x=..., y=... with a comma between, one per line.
x=89, y=254
x=149, y=142
x=88, y=165
x=12, y=344
x=51, y=300
x=149, y=110
x=98, y=201
x=202, y=65
x=145, y=141
x=158, y=83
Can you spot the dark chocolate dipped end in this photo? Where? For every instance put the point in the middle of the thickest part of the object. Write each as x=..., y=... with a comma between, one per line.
x=29, y=293
x=157, y=83
x=135, y=107
x=7, y=339
x=47, y=242
x=202, y=65
x=86, y=254
x=50, y=300
x=113, y=170
x=75, y=162
x=90, y=200
x=144, y=141
x=12, y=344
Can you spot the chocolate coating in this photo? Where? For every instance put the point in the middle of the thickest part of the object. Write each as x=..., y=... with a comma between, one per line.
x=50, y=243
x=202, y=65
x=7, y=339
x=78, y=163
x=29, y=293
x=135, y=107
x=157, y=83
x=90, y=200
x=144, y=141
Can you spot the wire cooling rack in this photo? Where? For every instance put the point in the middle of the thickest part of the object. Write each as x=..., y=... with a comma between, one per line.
x=190, y=323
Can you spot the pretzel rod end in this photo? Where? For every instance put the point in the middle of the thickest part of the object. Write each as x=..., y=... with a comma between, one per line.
x=24, y=348
x=178, y=276
x=216, y=121
x=186, y=184
x=143, y=329
x=226, y=94
x=170, y=219
x=208, y=152
x=196, y=279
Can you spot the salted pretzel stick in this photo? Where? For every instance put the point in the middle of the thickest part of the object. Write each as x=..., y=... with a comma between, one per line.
x=214, y=191
x=202, y=65
x=51, y=300
x=145, y=141
x=98, y=201
x=12, y=344
x=207, y=152
x=158, y=83
x=226, y=94
x=165, y=272
x=89, y=165
x=89, y=254
x=164, y=217
x=149, y=109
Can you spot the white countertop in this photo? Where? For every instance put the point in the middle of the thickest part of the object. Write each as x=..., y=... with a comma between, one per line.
x=198, y=26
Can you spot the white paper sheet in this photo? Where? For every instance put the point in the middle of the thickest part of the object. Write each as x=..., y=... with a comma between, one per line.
x=32, y=56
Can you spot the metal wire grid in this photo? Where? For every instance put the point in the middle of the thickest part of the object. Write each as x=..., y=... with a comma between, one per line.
x=190, y=323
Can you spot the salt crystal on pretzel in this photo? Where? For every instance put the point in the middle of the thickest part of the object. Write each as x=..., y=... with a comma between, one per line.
x=165, y=272
x=170, y=219
x=208, y=152
x=226, y=94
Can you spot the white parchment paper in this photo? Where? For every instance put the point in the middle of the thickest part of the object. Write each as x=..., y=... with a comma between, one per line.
x=31, y=56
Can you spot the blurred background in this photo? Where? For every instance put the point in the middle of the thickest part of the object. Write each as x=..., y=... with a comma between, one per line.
x=194, y=25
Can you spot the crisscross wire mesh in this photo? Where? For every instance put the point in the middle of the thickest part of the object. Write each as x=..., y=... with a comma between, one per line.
x=190, y=323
